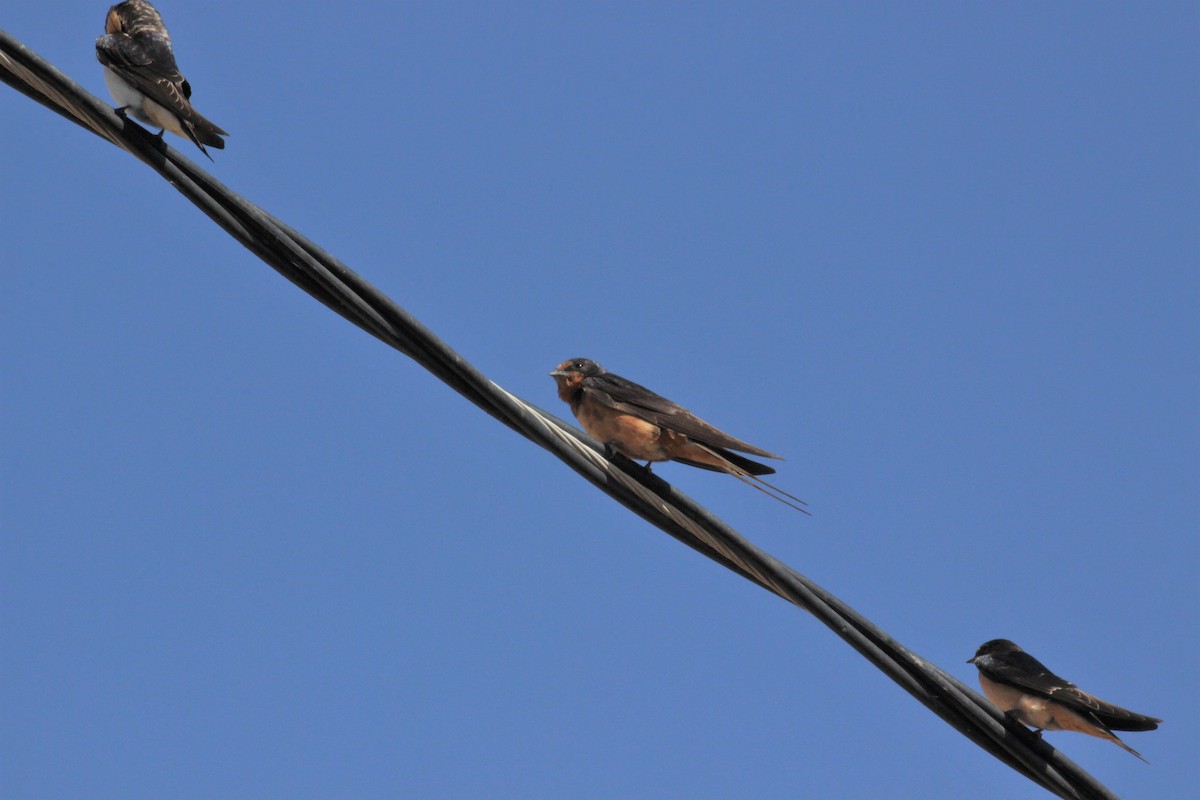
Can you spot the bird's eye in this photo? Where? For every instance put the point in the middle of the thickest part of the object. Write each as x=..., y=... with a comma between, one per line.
x=577, y=365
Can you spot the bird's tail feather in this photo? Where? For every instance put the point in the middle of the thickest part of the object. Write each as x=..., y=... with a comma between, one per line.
x=202, y=132
x=1130, y=749
x=1105, y=733
x=750, y=478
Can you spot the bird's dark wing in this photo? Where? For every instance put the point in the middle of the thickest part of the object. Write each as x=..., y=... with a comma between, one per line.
x=147, y=63
x=1112, y=716
x=631, y=398
x=1026, y=672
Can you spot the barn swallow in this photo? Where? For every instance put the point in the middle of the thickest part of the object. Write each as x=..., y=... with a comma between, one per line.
x=1023, y=688
x=139, y=68
x=644, y=426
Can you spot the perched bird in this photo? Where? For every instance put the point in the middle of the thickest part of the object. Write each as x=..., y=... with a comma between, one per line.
x=644, y=426
x=139, y=68
x=1023, y=688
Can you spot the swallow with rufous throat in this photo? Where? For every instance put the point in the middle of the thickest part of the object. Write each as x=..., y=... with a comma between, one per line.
x=644, y=426
x=1023, y=688
x=139, y=68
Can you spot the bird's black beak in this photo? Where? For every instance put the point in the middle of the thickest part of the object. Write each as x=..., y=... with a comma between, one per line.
x=557, y=373
x=971, y=660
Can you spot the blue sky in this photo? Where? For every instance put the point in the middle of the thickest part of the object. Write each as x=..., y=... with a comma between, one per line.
x=943, y=257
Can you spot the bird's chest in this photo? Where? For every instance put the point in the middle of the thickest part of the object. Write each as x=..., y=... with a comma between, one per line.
x=634, y=437
x=124, y=94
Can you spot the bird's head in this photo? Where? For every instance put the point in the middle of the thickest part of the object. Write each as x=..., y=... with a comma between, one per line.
x=992, y=648
x=571, y=373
